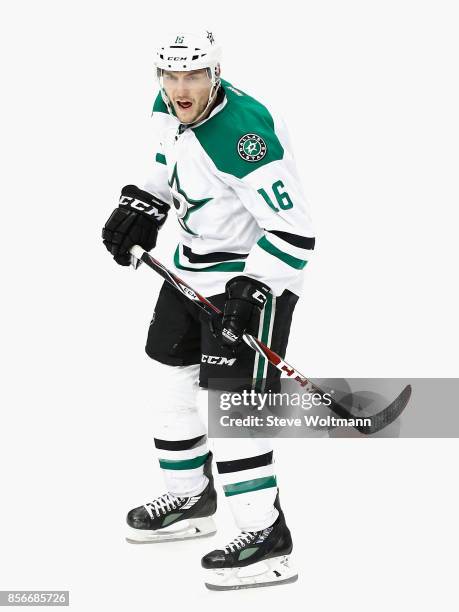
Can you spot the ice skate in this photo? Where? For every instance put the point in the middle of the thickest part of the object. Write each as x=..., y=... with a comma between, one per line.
x=170, y=517
x=253, y=559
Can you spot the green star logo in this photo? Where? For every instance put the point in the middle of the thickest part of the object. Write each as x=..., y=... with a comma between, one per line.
x=184, y=206
x=252, y=147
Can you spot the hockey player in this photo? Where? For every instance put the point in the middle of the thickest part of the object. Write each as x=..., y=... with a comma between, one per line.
x=224, y=165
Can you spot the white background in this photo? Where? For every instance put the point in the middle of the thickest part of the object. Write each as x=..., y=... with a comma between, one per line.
x=369, y=91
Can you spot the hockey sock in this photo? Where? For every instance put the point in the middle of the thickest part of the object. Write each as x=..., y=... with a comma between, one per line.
x=182, y=463
x=249, y=481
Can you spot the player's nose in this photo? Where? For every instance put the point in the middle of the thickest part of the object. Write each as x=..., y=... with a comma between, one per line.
x=182, y=89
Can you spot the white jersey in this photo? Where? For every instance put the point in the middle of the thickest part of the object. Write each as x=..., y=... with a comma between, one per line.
x=233, y=184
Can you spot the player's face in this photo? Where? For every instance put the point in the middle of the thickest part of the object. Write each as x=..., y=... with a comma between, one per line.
x=188, y=92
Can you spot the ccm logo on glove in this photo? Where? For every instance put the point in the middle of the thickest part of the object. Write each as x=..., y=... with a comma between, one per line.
x=261, y=297
x=150, y=208
x=137, y=220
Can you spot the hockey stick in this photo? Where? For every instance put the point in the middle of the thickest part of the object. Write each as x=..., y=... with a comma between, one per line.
x=378, y=421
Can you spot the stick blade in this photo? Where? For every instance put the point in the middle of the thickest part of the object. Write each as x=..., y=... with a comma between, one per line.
x=388, y=415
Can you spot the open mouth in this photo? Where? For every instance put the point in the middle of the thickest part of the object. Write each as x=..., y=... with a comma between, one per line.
x=184, y=105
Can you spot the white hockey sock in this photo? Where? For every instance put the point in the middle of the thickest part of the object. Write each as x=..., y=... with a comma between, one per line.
x=180, y=434
x=246, y=471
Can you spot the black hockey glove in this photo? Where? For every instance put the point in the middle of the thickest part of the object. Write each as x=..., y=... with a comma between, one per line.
x=137, y=220
x=243, y=296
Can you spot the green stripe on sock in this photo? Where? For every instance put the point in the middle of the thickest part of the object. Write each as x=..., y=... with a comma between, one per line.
x=160, y=158
x=230, y=266
x=183, y=464
x=270, y=248
x=247, y=486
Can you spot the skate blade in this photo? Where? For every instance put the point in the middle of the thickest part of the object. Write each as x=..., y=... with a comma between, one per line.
x=270, y=572
x=183, y=530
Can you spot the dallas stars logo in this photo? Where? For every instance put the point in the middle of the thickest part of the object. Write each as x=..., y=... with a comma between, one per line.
x=184, y=205
x=252, y=147
x=210, y=37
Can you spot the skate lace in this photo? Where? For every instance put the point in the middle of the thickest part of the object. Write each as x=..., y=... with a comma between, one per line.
x=240, y=541
x=163, y=504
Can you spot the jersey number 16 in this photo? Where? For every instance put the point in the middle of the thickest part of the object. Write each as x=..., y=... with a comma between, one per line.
x=282, y=197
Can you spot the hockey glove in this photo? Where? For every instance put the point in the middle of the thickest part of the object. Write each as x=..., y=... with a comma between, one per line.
x=137, y=220
x=244, y=296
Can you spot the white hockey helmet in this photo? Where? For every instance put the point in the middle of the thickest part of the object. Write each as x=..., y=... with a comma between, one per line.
x=183, y=52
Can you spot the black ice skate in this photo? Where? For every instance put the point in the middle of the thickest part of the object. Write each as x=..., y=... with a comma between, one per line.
x=253, y=559
x=169, y=517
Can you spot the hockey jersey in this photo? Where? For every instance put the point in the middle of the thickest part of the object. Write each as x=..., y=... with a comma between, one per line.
x=232, y=181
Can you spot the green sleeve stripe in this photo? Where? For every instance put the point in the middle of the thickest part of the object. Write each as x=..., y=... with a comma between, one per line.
x=230, y=266
x=247, y=486
x=160, y=158
x=270, y=248
x=184, y=464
